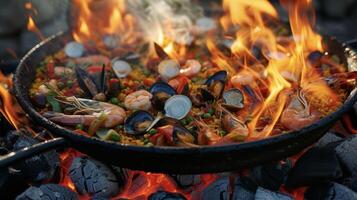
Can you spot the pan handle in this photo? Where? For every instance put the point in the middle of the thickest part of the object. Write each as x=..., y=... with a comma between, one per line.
x=27, y=152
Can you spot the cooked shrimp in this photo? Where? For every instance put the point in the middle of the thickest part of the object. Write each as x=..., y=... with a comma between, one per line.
x=243, y=78
x=298, y=113
x=206, y=136
x=114, y=115
x=191, y=68
x=139, y=100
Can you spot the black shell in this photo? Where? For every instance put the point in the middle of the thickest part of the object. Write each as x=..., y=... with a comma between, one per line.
x=134, y=119
x=161, y=91
x=86, y=83
x=218, y=76
x=178, y=127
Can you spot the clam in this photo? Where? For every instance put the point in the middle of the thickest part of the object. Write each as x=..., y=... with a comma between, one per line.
x=161, y=92
x=74, y=49
x=178, y=106
x=169, y=69
x=205, y=24
x=233, y=99
x=138, y=122
x=215, y=86
x=121, y=68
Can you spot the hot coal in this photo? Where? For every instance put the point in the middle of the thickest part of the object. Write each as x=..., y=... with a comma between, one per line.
x=328, y=138
x=39, y=168
x=94, y=178
x=330, y=191
x=162, y=195
x=317, y=165
x=272, y=175
x=48, y=192
x=347, y=154
x=217, y=190
x=264, y=194
x=244, y=189
x=186, y=181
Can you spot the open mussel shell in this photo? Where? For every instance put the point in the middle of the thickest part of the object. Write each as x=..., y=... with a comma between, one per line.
x=215, y=86
x=86, y=83
x=138, y=122
x=233, y=99
x=161, y=92
x=178, y=106
x=179, y=129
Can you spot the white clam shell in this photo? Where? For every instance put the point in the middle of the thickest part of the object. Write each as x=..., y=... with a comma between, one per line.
x=121, y=68
x=169, y=68
x=74, y=49
x=205, y=24
x=178, y=106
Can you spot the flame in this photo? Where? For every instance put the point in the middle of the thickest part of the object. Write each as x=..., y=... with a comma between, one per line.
x=97, y=19
x=251, y=24
x=31, y=25
x=8, y=105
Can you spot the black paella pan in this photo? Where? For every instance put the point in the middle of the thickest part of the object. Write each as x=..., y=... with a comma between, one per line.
x=167, y=159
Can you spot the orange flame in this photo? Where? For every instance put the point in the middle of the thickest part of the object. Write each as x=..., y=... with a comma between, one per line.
x=31, y=25
x=8, y=105
x=286, y=69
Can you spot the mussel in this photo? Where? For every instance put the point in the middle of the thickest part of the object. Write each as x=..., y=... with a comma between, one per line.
x=215, y=86
x=180, y=133
x=233, y=99
x=138, y=122
x=90, y=87
x=161, y=92
x=178, y=106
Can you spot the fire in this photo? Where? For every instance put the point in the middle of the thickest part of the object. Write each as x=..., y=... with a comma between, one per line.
x=251, y=23
x=97, y=19
x=8, y=105
x=31, y=25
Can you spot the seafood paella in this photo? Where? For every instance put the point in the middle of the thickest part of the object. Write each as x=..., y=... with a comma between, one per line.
x=217, y=92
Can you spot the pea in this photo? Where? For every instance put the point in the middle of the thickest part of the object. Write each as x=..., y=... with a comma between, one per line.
x=206, y=115
x=79, y=127
x=152, y=131
x=146, y=141
x=184, y=122
x=114, y=100
x=69, y=83
x=222, y=133
x=189, y=119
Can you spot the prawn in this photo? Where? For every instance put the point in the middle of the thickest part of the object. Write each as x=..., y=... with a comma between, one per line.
x=298, y=113
x=87, y=112
x=191, y=68
x=139, y=100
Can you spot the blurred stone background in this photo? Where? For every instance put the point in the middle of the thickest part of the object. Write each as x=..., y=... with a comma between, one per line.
x=337, y=18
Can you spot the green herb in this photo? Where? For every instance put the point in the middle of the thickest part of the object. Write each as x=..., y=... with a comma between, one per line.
x=152, y=131
x=56, y=107
x=184, y=122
